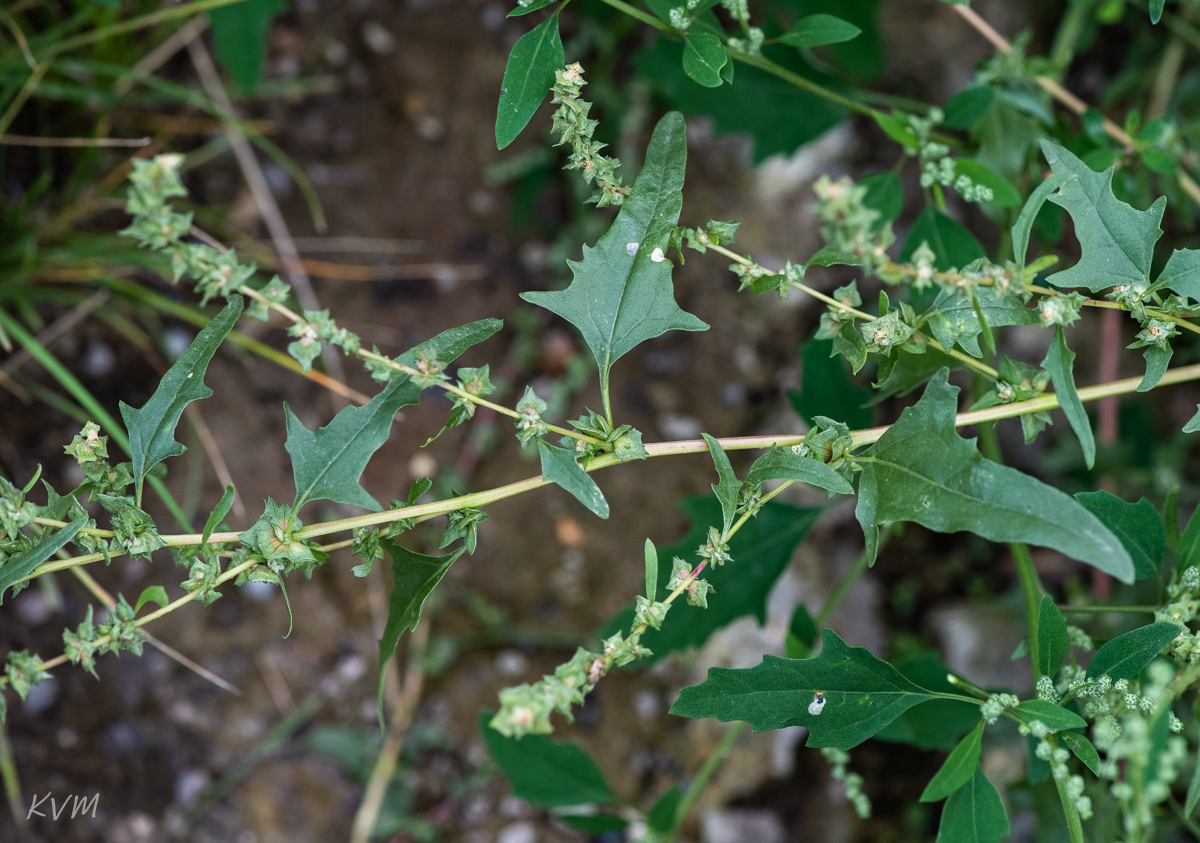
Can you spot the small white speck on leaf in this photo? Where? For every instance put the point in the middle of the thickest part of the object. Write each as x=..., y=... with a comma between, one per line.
x=631, y=249
x=657, y=256
x=817, y=705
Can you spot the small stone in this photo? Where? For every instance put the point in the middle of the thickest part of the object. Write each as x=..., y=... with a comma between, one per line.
x=378, y=38
x=740, y=825
x=522, y=832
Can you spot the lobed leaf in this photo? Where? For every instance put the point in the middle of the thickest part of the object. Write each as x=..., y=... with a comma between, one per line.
x=1116, y=240
x=862, y=694
x=1024, y=225
x=921, y=470
x=620, y=295
x=546, y=772
x=954, y=316
x=152, y=427
x=1182, y=273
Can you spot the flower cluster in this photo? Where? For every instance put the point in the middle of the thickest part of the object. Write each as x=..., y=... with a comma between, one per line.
x=937, y=167
x=848, y=226
x=1057, y=757
x=853, y=781
x=530, y=425
x=573, y=126
x=995, y=706
x=623, y=441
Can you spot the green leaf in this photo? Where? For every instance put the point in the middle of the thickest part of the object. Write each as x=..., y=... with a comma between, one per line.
x=818, y=30
x=222, y=509
x=1052, y=639
x=703, y=58
x=528, y=77
x=450, y=344
x=958, y=768
x=1188, y=551
x=885, y=194
x=1054, y=716
x=1124, y=656
x=240, y=35
x=952, y=244
x=780, y=117
x=954, y=316
x=546, y=772
x=760, y=550
x=151, y=594
x=594, y=823
x=262, y=573
x=532, y=7
x=801, y=634
x=1024, y=224
x=1156, y=10
x=1182, y=273
x=728, y=486
x=1156, y=366
x=974, y=813
x=414, y=577
x=1116, y=240
x=1193, y=794
x=662, y=815
x=778, y=464
x=560, y=467
x=328, y=463
x=897, y=130
x=1004, y=195
x=1060, y=363
x=1083, y=750
x=1193, y=424
x=968, y=105
x=651, y=571
x=620, y=295
x=862, y=694
x=937, y=724
x=1138, y=525
x=20, y=565
x=921, y=470
x=827, y=390
x=152, y=428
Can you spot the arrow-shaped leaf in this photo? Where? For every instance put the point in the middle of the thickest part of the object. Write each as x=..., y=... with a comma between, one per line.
x=621, y=294
x=921, y=470
x=1116, y=240
x=152, y=428
x=861, y=693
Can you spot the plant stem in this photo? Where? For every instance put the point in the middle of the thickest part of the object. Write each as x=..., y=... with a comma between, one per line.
x=1096, y=610
x=644, y=17
x=698, y=784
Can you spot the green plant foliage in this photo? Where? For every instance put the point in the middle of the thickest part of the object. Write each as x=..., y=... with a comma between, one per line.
x=1053, y=716
x=218, y=514
x=1083, y=750
x=1124, y=656
x=921, y=470
x=1139, y=526
x=20, y=565
x=965, y=108
x=1004, y=195
x=818, y=30
x=1116, y=240
x=560, y=467
x=801, y=634
x=1052, y=638
x=885, y=194
x=862, y=694
x=958, y=768
x=546, y=772
x=152, y=427
x=414, y=577
x=761, y=550
x=974, y=813
x=728, y=486
x=1156, y=10
x=1182, y=273
x=621, y=294
x=703, y=58
x=954, y=316
x=530, y=6
x=151, y=594
x=778, y=117
x=661, y=815
x=952, y=244
x=778, y=464
x=240, y=34
x=1060, y=363
x=651, y=556
x=528, y=77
